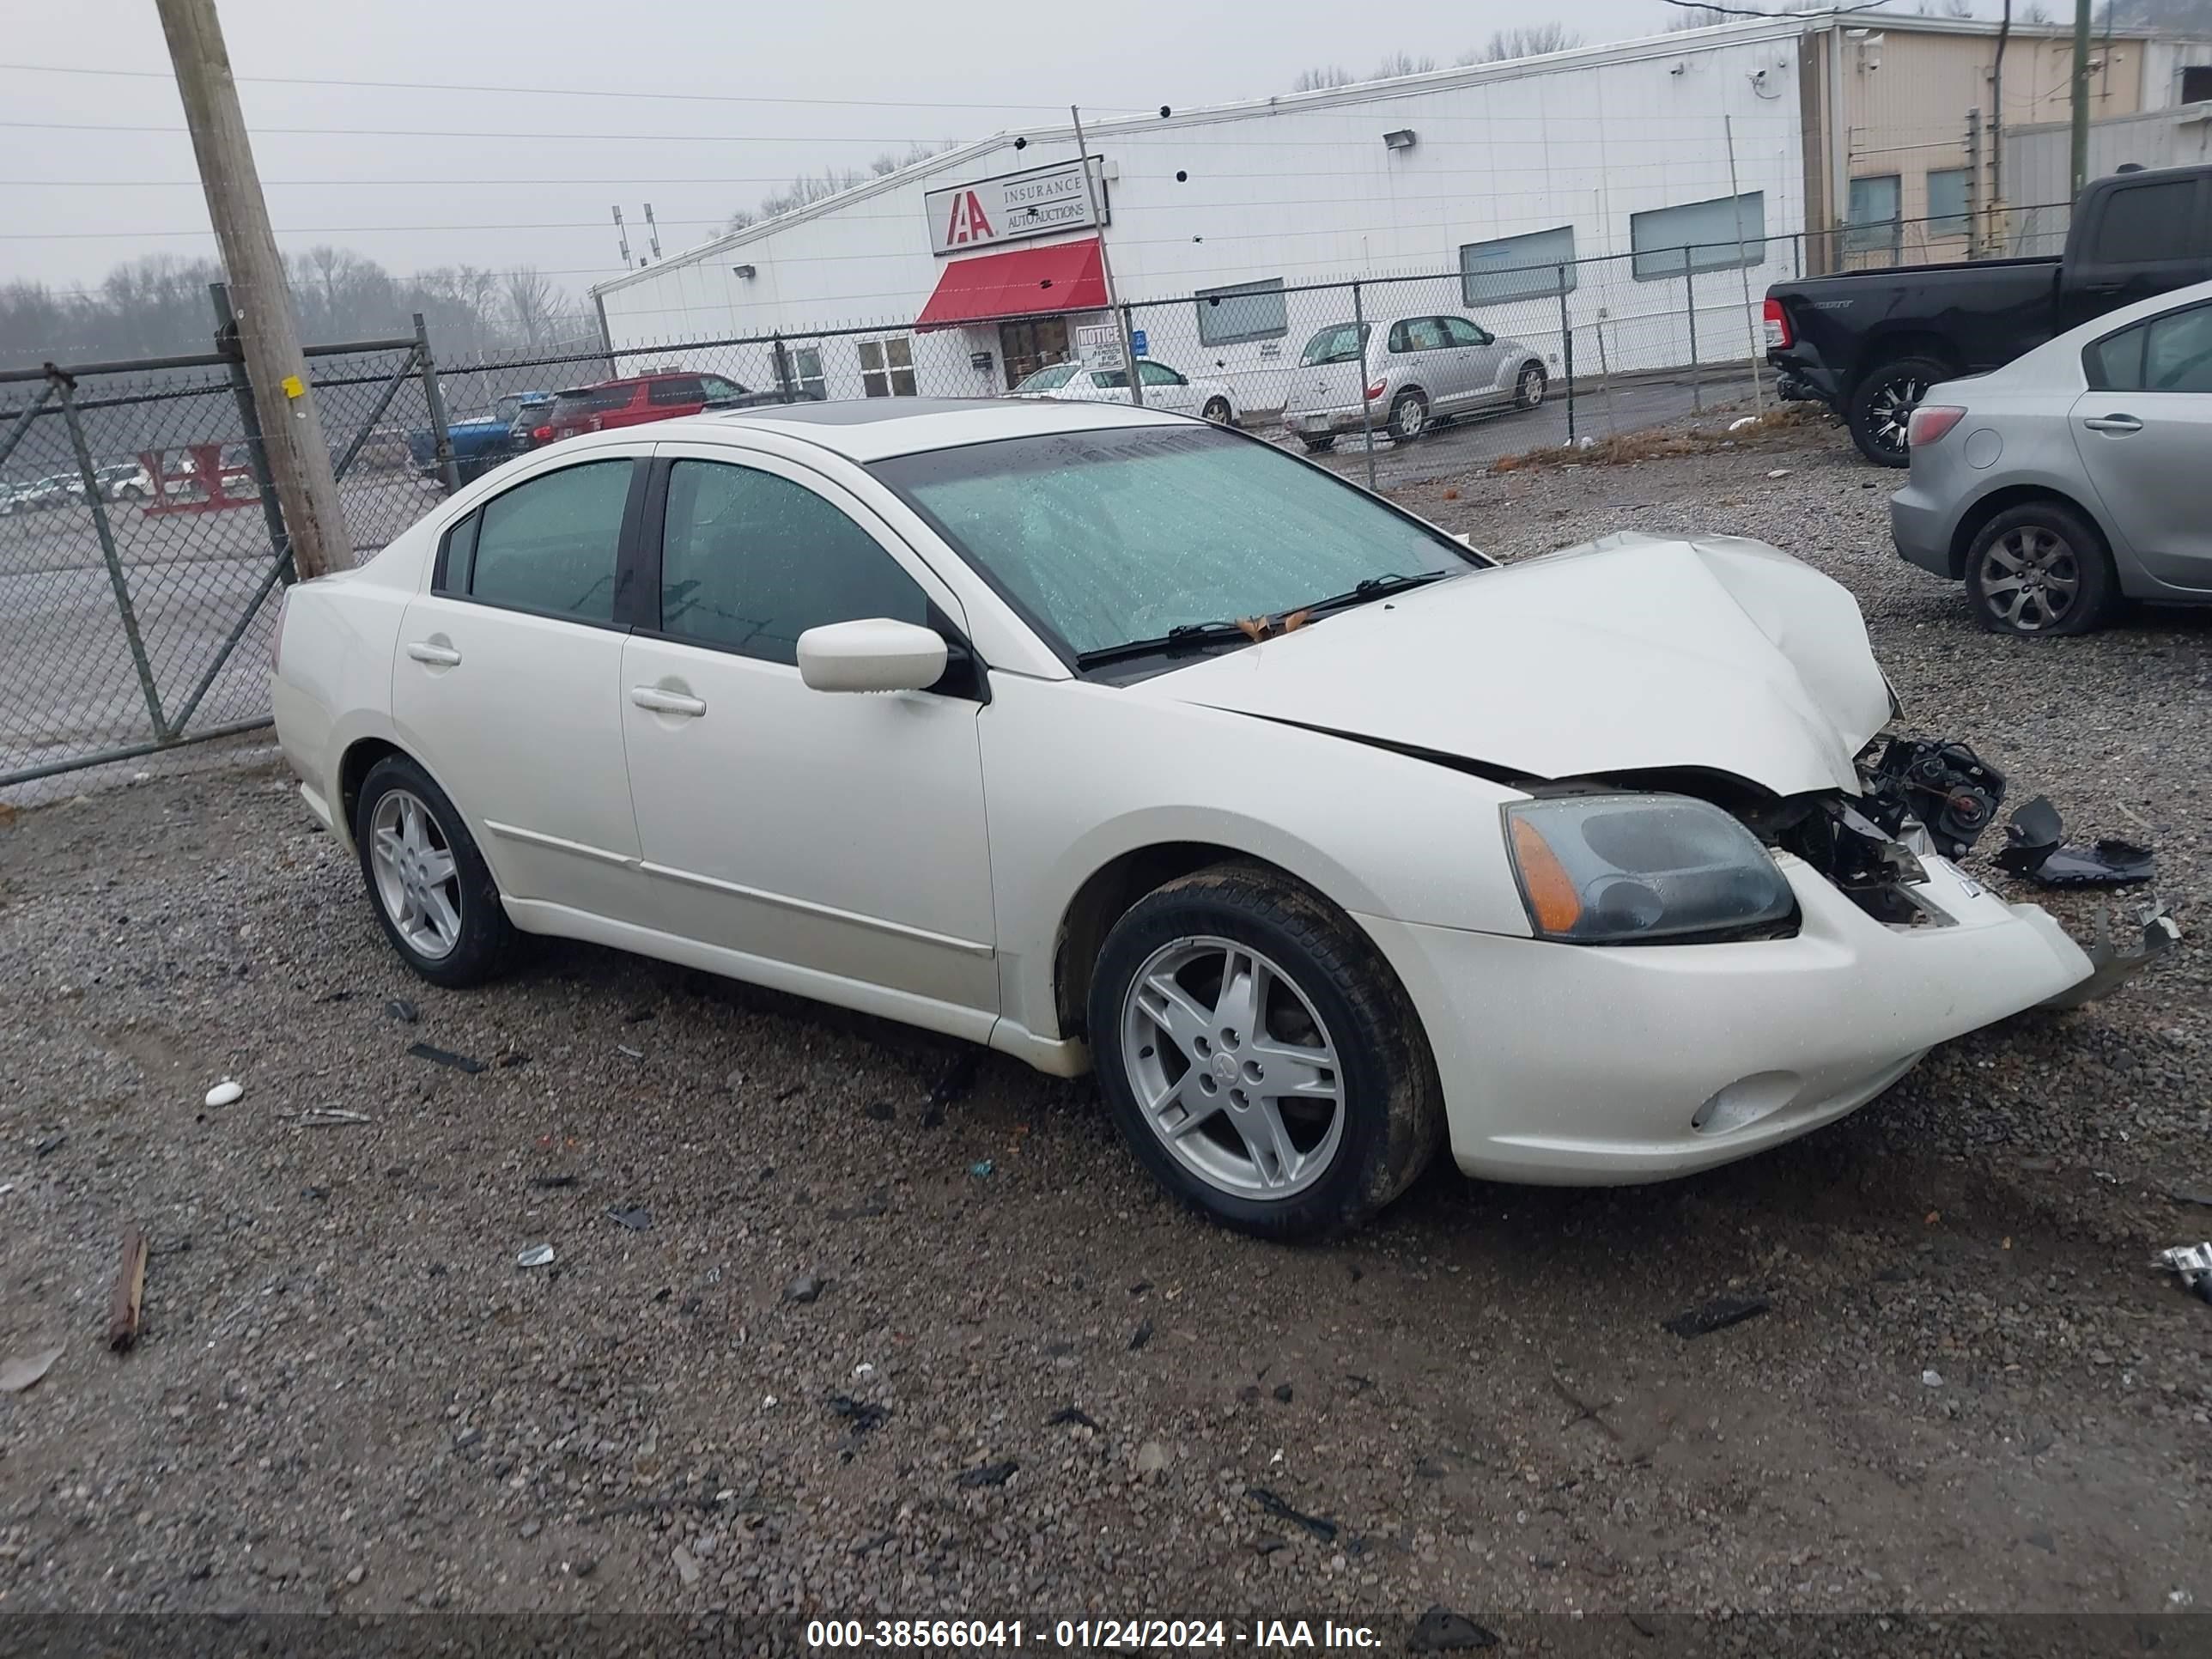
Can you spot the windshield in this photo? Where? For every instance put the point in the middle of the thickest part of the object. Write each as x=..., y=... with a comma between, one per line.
x=1048, y=379
x=1112, y=536
x=1340, y=344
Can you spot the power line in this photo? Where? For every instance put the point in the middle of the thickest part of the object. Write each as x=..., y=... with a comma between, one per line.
x=553, y=92
x=326, y=230
x=503, y=132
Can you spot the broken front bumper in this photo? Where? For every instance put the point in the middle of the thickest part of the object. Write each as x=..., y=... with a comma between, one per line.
x=1596, y=1064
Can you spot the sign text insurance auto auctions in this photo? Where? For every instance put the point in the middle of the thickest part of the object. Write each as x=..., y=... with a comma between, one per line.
x=963, y=217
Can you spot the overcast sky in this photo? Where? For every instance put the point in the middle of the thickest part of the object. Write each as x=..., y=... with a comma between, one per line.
x=77, y=202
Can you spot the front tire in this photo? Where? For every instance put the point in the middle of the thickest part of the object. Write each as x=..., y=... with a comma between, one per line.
x=1882, y=405
x=1409, y=416
x=2040, y=571
x=1260, y=1057
x=1528, y=390
x=430, y=888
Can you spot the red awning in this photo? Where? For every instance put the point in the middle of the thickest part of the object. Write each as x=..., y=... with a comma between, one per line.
x=1028, y=281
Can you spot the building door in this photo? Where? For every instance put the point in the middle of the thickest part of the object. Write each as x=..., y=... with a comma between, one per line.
x=1032, y=345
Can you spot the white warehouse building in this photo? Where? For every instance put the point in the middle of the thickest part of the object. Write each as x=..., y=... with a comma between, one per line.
x=1601, y=203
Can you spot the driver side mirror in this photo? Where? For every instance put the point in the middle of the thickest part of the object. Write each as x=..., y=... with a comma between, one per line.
x=875, y=653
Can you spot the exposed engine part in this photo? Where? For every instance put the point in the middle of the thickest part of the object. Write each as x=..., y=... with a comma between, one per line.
x=2193, y=1262
x=2158, y=933
x=1945, y=786
x=2033, y=849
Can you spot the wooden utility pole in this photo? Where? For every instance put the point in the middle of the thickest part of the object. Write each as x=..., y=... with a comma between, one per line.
x=292, y=434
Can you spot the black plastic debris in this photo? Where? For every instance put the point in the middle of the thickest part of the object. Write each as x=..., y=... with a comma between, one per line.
x=862, y=1415
x=991, y=1474
x=636, y=1217
x=2033, y=849
x=1143, y=1334
x=1442, y=1631
x=1070, y=1415
x=403, y=1010
x=1717, y=1315
x=1319, y=1526
x=446, y=1057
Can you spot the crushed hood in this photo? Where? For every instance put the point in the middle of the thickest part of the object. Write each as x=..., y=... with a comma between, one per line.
x=1631, y=651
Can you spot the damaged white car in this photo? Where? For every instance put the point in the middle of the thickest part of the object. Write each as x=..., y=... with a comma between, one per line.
x=1114, y=739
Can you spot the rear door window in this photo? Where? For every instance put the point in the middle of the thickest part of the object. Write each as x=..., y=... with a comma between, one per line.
x=685, y=389
x=549, y=545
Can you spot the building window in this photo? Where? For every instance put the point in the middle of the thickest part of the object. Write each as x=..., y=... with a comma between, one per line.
x=1719, y=234
x=1946, y=202
x=1518, y=267
x=1871, y=225
x=887, y=367
x=1248, y=311
x=2197, y=84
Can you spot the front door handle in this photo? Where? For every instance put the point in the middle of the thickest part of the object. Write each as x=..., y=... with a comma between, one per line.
x=667, y=702
x=2113, y=423
x=439, y=656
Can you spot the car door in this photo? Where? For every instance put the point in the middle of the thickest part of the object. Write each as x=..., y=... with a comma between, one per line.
x=2144, y=433
x=1482, y=357
x=836, y=840
x=507, y=684
x=1165, y=389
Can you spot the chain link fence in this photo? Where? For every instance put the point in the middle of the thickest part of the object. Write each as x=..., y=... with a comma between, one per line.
x=140, y=542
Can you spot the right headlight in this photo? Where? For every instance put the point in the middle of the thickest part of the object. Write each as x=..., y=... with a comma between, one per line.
x=1630, y=869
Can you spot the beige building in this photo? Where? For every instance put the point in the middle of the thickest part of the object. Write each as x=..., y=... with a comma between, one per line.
x=1905, y=118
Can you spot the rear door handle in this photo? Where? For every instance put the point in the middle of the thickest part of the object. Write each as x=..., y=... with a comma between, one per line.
x=2113, y=423
x=667, y=702
x=440, y=656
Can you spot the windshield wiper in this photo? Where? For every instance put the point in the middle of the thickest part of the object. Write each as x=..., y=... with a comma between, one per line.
x=1182, y=636
x=1376, y=586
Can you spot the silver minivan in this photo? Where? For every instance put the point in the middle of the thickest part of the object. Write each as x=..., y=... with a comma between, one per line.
x=1415, y=371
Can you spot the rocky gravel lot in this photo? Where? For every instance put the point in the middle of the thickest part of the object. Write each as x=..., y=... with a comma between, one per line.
x=882, y=1331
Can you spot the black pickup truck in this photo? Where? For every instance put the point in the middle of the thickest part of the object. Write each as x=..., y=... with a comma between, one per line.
x=1869, y=343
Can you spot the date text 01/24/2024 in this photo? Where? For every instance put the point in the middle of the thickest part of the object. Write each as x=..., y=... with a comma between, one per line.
x=989, y=1635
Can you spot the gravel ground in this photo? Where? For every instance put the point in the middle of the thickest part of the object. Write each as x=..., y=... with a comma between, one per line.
x=1017, y=1383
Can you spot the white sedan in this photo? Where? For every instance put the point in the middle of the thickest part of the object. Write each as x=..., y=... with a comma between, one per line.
x=1165, y=389
x=1111, y=738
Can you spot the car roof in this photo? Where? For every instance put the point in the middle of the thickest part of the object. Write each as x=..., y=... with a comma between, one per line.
x=874, y=428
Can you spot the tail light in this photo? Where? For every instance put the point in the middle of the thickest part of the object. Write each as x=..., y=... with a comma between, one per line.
x=1376, y=390
x=1930, y=422
x=541, y=435
x=1778, y=336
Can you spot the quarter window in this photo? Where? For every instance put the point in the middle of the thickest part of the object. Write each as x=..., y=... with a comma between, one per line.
x=749, y=561
x=549, y=545
x=887, y=368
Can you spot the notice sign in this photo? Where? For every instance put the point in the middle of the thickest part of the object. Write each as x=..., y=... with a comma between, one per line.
x=1038, y=202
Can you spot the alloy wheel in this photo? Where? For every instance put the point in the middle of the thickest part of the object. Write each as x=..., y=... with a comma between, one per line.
x=1891, y=411
x=1233, y=1067
x=417, y=882
x=2031, y=579
x=1532, y=387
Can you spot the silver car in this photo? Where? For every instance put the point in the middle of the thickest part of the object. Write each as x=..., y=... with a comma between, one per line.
x=2074, y=477
x=1415, y=371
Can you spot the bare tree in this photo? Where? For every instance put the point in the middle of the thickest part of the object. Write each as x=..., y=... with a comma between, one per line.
x=1945, y=8
x=2035, y=14
x=809, y=188
x=1402, y=63
x=1525, y=41
x=532, y=305
x=1323, y=79
x=1699, y=15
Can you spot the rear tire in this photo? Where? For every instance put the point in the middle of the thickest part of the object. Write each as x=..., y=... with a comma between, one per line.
x=430, y=888
x=1293, y=1116
x=1409, y=416
x=1320, y=446
x=1216, y=411
x=2041, y=570
x=1883, y=401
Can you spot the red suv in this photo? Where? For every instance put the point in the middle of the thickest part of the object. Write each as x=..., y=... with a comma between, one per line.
x=637, y=400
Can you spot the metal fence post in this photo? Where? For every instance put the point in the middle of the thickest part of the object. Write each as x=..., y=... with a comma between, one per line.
x=434, y=397
x=784, y=386
x=65, y=387
x=249, y=419
x=1567, y=351
x=1690, y=307
x=1366, y=409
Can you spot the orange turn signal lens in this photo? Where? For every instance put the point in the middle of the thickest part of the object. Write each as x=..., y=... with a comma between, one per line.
x=1553, y=903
